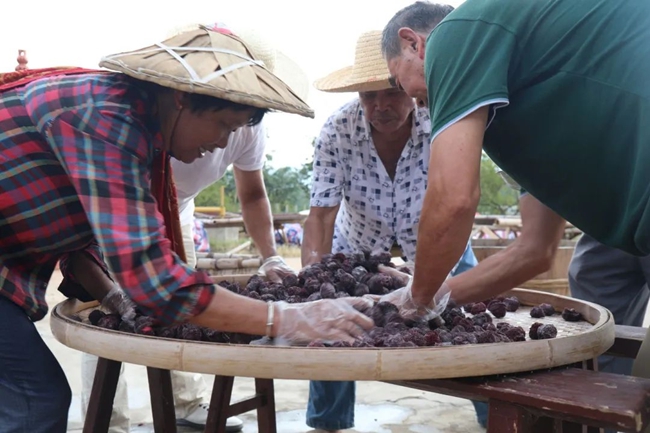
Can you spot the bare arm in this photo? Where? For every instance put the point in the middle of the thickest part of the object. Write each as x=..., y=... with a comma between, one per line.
x=319, y=231
x=256, y=210
x=529, y=255
x=450, y=203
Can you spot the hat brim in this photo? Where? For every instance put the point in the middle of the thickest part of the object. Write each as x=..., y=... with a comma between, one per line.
x=343, y=81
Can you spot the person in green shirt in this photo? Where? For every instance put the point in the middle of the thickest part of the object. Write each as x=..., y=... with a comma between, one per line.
x=556, y=92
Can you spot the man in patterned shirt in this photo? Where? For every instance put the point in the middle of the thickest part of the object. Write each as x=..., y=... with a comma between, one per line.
x=76, y=151
x=370, y=175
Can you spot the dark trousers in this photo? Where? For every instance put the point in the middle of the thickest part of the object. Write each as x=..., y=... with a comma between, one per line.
x=34, y=392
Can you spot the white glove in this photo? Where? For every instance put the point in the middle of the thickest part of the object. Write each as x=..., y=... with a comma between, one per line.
x=275, y=269
x=327, y=320
x=409, y=309
x=116, y=301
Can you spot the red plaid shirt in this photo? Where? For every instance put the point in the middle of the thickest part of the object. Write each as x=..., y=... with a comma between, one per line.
x=75, y=158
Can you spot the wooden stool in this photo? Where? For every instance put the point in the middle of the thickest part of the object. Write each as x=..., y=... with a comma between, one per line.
x=100, y=406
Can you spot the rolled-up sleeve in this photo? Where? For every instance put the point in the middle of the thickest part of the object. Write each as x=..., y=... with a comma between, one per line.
x=70, y=287
x=328, y=176
x=106, y=154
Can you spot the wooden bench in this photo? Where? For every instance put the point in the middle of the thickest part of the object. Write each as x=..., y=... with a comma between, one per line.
x=553, y=401
x=557, y=401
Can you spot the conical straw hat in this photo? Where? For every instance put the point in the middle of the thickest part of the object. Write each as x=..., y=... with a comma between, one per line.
x=368, y=73
x=262, y=49
x=213, y=63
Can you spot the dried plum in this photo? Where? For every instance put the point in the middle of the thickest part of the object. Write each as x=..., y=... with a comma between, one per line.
x=290, y=280
x=537, y=313
x=498, y=309
x=571, y=315
x=478, y=308
x=359, y=272
x=512, y=304
x=516, y=333
x=481, y=319
x=546, y=331
x=548, y=309
x=532, y=332
x=109, y=321
x=432, y=338
x=361, y=290
x=313, y=297
x=268, y=298
x=327, y=290
x=94, y=316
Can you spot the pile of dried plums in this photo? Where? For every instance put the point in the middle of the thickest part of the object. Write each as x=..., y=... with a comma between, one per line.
x=340, y=275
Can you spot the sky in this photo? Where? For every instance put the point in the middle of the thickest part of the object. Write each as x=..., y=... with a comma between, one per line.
x=318, y=35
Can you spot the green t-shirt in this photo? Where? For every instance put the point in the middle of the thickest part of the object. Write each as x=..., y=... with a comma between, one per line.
x=569, y=86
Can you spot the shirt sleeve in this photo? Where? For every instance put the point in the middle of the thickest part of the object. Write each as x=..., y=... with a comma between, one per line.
x=466, y=67
x=328, y=177
x=252, y=158
x=105, y=153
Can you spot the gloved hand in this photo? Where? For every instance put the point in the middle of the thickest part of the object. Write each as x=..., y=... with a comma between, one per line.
x=327, y=320
x=409, y=309
x=116, y=301
x=275, y=269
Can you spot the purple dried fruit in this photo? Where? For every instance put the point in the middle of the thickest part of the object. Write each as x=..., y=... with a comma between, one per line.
x=546, y=331
x=537, y=313
x=460, y=340
x=290, y=280
x=378, y=283
x=498, y=309
x=254, y=295
x=516, y=333
x=532, y=332
x=432, y=338
x=512, y=304
x=268, y=298
x=109, y=321
x=94, y=316
x=359, y=272
x=361, y=290
x=571, y=315
x=486, y=337
x=478, y=308
x=327, y=291
x=188, y=331
x=481, y=319
x=489, y=327
x=547, y=309
x=503, y=327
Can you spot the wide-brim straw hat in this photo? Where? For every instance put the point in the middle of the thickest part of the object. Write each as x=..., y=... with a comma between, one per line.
x=215, y=63
x=368, y=73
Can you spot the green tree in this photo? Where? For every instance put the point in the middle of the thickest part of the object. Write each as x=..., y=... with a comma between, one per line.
x=497, y=198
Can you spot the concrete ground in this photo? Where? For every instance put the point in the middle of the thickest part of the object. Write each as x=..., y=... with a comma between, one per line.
x=380, y=408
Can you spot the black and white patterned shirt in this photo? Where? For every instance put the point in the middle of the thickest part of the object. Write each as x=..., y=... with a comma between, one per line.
x=375, y=210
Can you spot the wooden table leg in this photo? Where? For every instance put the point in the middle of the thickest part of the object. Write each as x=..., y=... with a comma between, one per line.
x=100, y=406
x=508, y=418
x=162, y=400
x=266, y=413
x=219, y=404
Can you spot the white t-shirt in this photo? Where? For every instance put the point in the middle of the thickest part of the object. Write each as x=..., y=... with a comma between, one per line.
x=245, y=150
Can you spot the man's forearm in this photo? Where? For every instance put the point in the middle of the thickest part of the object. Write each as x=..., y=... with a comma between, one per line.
x=91, y=277
x=259, y=225
x=442, y=238
x=317, y=240
x=497, y=274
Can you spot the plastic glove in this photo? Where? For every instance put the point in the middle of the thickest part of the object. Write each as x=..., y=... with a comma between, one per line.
x=116, y=301
x=409, y=309
x=327, y=320
x=275, y=269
